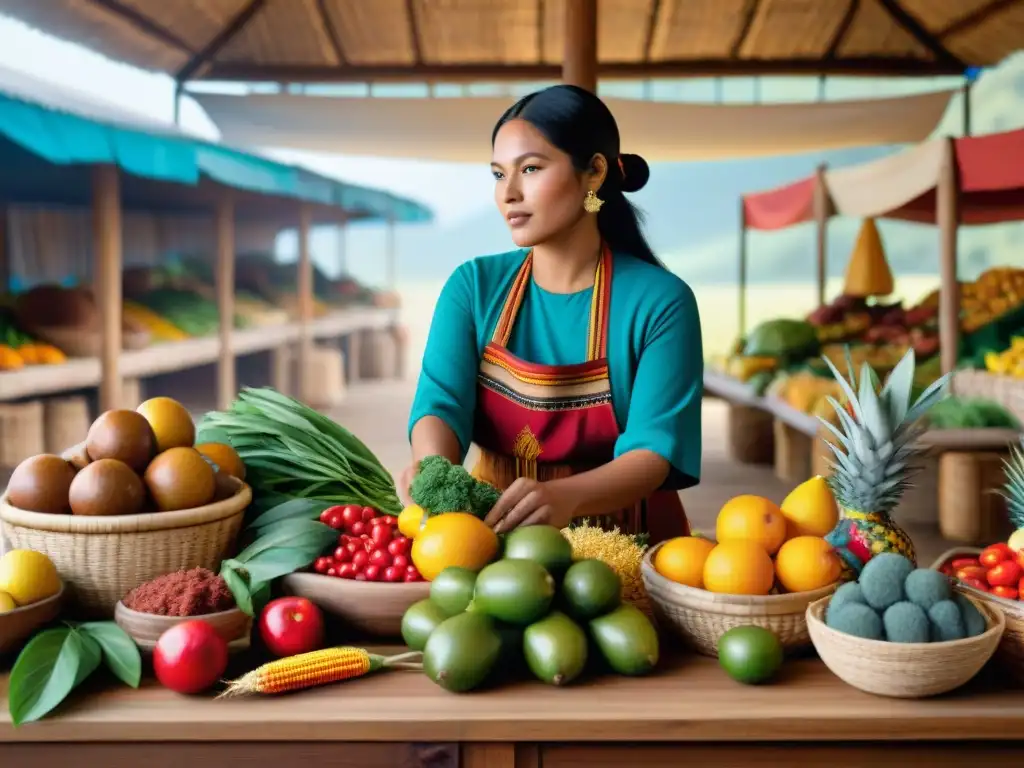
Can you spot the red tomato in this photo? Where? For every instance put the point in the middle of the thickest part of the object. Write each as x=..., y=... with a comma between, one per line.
x=372, y=572
x=392, y=574
x=190, y=657
x=972, y=572
x=335, y=520
x=342, y=555
x=354, y=546
x=322, y=564
x=1006, y=574
x=360, y=559
x=352, y=514
x=963, y=562
x=388, y=520
x=380, y=558
x=357, y=528
x=412, y=576
x=1010, y=593
x=291, y=625
x=381, y=535
x=994, y=554
x=400, y=561
x=347, y=570
x=332, y=571
x=329, y=513
x=1020, y=558
x=979, y=584
x=368, y=513
x=399, y=546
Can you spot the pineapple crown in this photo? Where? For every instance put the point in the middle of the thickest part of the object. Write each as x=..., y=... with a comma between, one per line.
x=1013, y=489
x=876, y=440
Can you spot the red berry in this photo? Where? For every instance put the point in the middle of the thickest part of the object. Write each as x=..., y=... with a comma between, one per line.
x=329, y=513
x=380, y=558
x=392, y=574
x=372, y=572
x=412, y=576
x=381, y=535
x=332, y=571
x=322, y=564
x=351, y=514
x=368, y=513
x=335, y=521
x=401, y=562
x=360, y=576
x=360, y=559
x=342, y=555
x=354, y=546
x=347, y=570
x=399, y=546
x=357, y=528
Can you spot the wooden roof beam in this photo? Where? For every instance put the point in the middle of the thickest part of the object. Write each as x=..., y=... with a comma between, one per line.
x=749, y=14
x=144, y=24
x=652, y=26
x=868, y=67
x=414, y=32
x=233, y=27
x=844, y=26
x=913, y=27
x=332, y=32
x=976, y=17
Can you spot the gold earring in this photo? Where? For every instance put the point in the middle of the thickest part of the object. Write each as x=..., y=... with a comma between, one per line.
x=592, y=203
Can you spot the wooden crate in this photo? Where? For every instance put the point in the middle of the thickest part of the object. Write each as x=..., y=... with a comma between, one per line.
x=65, y=422
x=969, y=511
x=792, y=452
x=751, y=439
x=21, y=432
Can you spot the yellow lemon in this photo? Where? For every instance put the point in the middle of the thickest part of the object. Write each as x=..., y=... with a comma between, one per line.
x=410, y=520
x=28, y=576
x=810, y=509
x=171, y=422
x=740, y=567
x=682, y=560
x=7, y=603
x=751, y=518
x=806, y=563
x=454, y=538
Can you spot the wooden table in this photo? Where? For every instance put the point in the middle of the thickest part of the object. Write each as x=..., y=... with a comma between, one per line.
x=689, y=713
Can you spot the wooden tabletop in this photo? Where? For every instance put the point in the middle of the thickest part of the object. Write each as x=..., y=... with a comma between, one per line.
x=690, y=699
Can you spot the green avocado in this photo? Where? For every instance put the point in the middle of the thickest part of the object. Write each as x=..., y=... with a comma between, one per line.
x=419, y=622
x=452, y=589
x=514, y=591
x=749, y=655
x=590, y=588
x=543, y=544
x=555, y=649
x=627, y=640
x=462, y=652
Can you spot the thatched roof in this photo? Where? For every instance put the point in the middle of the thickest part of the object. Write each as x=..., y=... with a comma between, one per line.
x=367, y=40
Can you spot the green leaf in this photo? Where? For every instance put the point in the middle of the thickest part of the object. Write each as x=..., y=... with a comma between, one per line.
x=290, y=533
x=239, y=588
x=47, y=670
x=120, y=653
x=307, y=509
x=278, y=561
x=260, y=596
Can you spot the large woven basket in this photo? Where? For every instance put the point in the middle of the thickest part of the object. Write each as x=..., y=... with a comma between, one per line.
x=102, y=558
x=904, y=670
x=1010, y=653
x=699, y=618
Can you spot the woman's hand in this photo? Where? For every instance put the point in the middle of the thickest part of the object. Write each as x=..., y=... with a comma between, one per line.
x=531, y=502
x=405, y=481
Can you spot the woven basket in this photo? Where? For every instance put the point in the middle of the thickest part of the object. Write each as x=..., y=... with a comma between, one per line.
x=102, y=558
x=1010, y=653
x=699, y=618
x=904, y=670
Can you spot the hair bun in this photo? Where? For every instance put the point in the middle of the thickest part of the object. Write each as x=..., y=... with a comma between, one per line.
x=635, y=172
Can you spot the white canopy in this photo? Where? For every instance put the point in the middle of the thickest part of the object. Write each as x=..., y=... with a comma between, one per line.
x=459, y=129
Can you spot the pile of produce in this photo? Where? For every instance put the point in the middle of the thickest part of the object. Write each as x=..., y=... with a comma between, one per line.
x=623, y=553
x=441, y=486
x=534, y=605
x=160, y=329
x=370, y=547
x=970, y=413
x=893, y=601
x=18, y=348
x=187, y=310
x=144, y=460
x=761, y=548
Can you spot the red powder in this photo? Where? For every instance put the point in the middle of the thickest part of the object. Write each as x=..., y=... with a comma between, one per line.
x=183, y=593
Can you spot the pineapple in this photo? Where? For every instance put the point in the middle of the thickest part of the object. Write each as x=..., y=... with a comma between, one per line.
x=873, y=446
x=1013, y=492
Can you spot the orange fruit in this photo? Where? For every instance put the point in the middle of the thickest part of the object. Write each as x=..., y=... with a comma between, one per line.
x=682, y=560
x=171, y=423
x=225, y=457
x=752, y=518
x=739, y=567
x=806, y=563
x=810, y=509
x=453, y=538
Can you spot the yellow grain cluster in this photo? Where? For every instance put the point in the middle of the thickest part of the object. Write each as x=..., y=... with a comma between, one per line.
x=306, y=670
x=618, y=550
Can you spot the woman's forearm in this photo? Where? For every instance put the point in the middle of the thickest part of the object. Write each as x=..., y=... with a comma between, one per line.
x=432, y=437
x=619, y=484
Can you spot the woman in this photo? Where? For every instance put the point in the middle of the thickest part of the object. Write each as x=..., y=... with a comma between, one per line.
x=574, y=363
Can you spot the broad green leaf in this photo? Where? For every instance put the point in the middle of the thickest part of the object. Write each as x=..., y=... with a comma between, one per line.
x=120, y=653
x=289, y=533
x=278, y=561
x=307, y=509
x=47, y=670
x=239, y=588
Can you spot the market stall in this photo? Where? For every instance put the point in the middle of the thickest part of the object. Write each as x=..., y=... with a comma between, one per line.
x=152, y=270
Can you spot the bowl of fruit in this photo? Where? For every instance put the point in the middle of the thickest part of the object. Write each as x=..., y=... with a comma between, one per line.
x=367, y=579
x=902, y=631
x=31, y=593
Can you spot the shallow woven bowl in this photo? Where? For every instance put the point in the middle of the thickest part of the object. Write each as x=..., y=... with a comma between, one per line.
x=18, y=625
x=904, y=670
x=699, y=618
x=146, y=628
x=371, y=607
x=102, y=558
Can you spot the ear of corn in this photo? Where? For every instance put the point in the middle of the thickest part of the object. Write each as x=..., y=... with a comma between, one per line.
x=306, y=670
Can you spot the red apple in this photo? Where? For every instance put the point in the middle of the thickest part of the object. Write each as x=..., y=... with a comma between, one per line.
x=291, y=625
x=190, y=657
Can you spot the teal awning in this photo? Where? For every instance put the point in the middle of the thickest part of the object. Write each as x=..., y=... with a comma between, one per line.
x=61, y=138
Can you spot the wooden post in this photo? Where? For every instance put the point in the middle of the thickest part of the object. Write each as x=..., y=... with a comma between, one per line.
x=579, y=65
x=822, y=212
x=947, y=217
x=106, y=224
x=305, y=297
x=742, y=278
x=226, y=384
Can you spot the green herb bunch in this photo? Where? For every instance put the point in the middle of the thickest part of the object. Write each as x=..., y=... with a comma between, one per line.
x=59, y=659
x=291, y=451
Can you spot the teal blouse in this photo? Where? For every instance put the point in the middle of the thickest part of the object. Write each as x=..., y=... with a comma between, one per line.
x=655, y=354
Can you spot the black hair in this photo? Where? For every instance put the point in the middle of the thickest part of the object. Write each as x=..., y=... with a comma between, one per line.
x=581, y=125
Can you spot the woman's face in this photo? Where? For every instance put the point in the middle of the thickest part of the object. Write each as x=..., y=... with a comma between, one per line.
x=537, y=189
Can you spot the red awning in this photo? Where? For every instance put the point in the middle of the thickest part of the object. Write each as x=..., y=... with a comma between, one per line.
x=780, y=207
x=991, y=171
